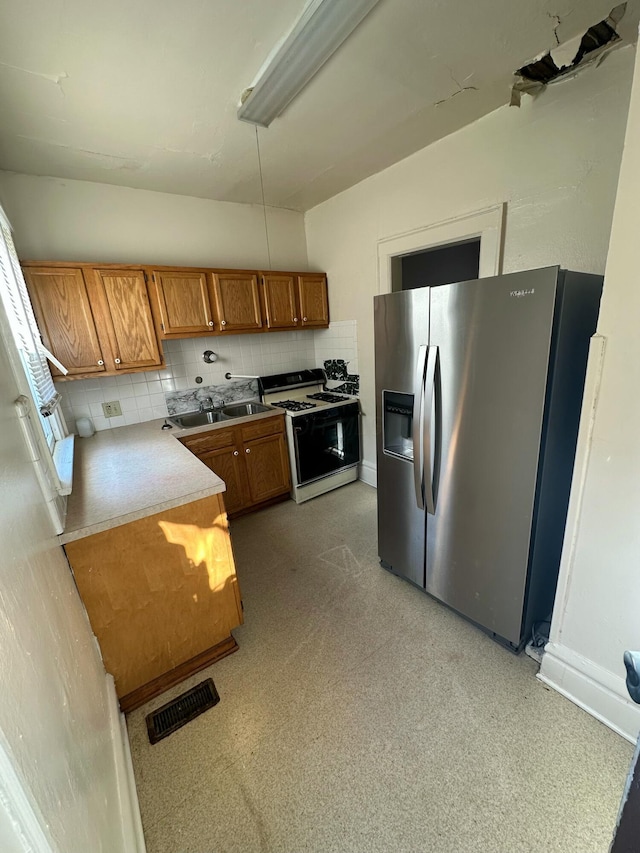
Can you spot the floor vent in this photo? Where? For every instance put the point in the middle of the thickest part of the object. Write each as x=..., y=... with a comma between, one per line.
x=181, y=710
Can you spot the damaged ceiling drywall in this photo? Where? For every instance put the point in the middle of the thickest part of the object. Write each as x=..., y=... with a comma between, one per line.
x=565, y=59
x=144, y=94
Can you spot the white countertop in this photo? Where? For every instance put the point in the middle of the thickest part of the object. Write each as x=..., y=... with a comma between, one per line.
x=127, y=473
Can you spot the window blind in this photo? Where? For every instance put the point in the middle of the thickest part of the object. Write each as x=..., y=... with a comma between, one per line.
x=23, y=324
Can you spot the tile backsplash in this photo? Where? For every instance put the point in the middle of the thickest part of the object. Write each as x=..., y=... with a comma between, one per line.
x=143, y=396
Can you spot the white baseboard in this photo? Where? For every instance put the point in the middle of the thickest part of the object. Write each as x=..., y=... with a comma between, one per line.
x=133, y=838
x=368, y=474
x=599, y=692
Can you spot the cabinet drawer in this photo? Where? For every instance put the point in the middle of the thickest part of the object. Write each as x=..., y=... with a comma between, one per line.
x=213, y=440
x=266, y=426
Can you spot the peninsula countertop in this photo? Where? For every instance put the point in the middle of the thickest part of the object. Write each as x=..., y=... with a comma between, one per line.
x=127, y=473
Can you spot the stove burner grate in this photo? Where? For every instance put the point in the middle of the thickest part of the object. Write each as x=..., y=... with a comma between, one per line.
x=328, y=398
x=294, y=405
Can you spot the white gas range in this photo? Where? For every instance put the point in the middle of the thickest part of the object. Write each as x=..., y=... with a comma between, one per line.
x=323, y=431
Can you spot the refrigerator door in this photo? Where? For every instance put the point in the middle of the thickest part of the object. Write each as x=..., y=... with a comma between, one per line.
x=493, y=339
x=401, y=338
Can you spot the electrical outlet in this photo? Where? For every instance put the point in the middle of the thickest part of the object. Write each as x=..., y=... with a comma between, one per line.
x=112, y=409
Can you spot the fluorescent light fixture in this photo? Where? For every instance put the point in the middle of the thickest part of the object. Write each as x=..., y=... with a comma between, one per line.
x=316, y=35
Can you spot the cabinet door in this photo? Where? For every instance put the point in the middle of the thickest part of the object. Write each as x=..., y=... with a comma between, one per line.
x=183, y=297
x=237, y=302
x=314, y=302
x=65, y=318
x=280, y=301
x=227, y=464
x=129, y=319
x=267, y=467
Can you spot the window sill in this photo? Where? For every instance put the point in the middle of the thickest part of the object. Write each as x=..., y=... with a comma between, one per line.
x=63, y=460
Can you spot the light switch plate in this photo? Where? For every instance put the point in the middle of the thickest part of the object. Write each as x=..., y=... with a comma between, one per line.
x=112, y=409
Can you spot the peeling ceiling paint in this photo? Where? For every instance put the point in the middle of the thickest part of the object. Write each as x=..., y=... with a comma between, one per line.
x=144, y=94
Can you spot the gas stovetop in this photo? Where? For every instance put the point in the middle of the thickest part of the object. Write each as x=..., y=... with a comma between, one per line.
x=293, y=405
x=294, y=392
x=326, y=397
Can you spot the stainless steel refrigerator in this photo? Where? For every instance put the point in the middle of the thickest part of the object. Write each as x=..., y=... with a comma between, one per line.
x=479, y=388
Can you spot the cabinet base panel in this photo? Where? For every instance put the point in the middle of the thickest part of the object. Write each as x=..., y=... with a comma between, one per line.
x=255, y=507
x=169, y=679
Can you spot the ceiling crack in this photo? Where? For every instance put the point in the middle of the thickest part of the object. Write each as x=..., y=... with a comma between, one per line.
x=461, y=89
x=52, y=78
x=211, y=158
x=119, y=161
x=558, y=21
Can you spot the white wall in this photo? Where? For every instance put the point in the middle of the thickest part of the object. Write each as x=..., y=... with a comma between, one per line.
x=554, y=161
x=597, y=613
x=54, y=709
x=59, y=219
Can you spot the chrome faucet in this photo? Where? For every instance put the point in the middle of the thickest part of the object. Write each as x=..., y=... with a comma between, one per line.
x=206, y=404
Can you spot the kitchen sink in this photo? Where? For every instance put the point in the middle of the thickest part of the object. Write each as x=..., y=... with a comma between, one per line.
x=241, y=410
x=194, y=419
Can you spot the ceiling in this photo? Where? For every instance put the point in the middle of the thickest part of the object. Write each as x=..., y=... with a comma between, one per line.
x=144, y=94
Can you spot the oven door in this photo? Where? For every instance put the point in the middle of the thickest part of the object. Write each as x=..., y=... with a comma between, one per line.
x=326, y=441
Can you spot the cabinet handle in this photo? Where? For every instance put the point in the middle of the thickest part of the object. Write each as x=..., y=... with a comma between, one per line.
x=117, y=360
x=210, y=323
x=248, y=450
x=100, y=362
x=235, y=452
x=295, y=319
x=222, y=323
x=304, y=319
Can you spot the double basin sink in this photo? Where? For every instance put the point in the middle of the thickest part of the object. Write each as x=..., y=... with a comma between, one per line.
x=215, y=416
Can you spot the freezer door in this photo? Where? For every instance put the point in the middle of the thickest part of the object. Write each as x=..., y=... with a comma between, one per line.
x=401, y=337
x=493, y=338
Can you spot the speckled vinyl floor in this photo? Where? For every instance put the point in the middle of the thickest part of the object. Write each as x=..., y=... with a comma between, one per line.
x=360, y=715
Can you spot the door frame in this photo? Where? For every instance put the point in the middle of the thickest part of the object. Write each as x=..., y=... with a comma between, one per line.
x=487, y=224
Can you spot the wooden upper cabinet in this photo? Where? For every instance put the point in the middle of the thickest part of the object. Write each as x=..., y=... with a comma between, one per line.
x=314, y=301
x=183, y=298
x=237, y=302
x=63, y=309
x=280, y=301
x=129, y=319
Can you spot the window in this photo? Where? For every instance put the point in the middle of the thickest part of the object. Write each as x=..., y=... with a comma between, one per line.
x=47, y=433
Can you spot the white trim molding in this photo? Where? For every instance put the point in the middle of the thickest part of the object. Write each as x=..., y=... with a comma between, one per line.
x=132, y=835
x=368, y=474
x=488, y=224
x=592, y=687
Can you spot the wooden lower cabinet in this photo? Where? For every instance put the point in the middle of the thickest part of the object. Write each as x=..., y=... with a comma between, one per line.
x=226, y=463
x=162, y=596
x=251, y=458
x=267, y=467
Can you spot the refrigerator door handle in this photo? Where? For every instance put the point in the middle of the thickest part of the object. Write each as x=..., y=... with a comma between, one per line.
x=418, y=426
x=431, y=428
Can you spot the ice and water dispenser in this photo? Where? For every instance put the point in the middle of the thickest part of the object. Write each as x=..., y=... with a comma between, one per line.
x=397, y=427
